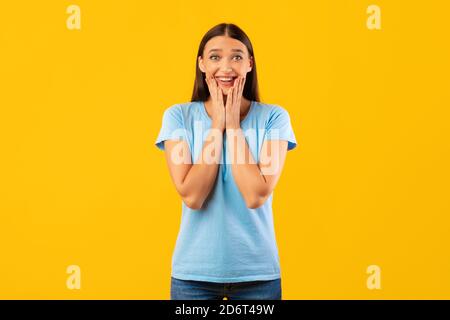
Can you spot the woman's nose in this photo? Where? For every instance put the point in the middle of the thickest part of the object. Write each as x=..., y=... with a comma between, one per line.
x=226, y=67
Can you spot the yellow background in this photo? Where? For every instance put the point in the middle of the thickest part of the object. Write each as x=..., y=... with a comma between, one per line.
x=82, y=182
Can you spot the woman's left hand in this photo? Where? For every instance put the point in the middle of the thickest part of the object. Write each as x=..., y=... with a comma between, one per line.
x=233, y=104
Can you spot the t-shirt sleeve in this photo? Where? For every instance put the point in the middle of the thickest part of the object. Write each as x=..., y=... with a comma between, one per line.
x=279, y=127
x=172, y=126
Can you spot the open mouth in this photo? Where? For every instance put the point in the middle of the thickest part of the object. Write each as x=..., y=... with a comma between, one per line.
x=226, y=81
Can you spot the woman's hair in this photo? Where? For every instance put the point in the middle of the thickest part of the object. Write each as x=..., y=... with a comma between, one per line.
x=201, y=91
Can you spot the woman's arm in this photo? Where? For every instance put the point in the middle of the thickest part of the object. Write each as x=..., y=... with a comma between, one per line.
x=194, y=181
x=255, y=181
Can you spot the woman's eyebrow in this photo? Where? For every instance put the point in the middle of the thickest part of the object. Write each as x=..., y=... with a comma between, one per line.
x=235, y=50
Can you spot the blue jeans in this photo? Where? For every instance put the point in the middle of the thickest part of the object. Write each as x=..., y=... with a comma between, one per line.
x=203, y=290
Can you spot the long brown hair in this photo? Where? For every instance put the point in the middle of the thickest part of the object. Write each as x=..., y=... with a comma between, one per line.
x=201, y=91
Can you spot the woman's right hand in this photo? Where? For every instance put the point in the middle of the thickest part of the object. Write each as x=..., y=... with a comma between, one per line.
x=218, y=108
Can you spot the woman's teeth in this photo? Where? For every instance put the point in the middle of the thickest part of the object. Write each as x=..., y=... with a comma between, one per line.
x=226, y=80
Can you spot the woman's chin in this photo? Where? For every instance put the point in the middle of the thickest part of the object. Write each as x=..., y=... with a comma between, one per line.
x=225, y=90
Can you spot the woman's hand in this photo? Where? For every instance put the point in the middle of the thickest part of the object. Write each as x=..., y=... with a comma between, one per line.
x=218, y=108
x=233, y=105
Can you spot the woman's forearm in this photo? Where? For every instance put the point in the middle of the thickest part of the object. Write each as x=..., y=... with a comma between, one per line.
x=200, y=178
x=246, y=172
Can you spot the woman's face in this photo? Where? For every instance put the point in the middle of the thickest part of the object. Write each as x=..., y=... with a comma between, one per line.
x=225, y=58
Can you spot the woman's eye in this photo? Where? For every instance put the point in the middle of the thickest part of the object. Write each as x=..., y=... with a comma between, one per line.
x=212, y=57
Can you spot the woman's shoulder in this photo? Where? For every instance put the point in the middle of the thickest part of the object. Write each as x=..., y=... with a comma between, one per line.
x=268, y=106
x=182, y=106
x=270, y=109
x=183, y=109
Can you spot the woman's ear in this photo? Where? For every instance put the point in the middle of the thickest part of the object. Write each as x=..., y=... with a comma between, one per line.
x=200, y=64
x=251, y=64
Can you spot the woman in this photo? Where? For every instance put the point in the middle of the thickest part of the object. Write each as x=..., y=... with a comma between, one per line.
x=225, y=151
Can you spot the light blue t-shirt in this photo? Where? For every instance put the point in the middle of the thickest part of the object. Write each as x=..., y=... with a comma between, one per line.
x=225, y=241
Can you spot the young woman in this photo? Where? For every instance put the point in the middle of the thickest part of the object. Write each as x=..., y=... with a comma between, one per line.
x=225, y=151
